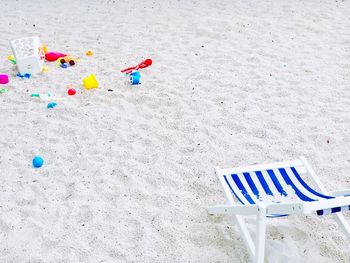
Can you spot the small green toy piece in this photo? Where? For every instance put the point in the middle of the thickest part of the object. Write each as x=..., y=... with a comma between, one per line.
x=37, y=95
x=12, y=59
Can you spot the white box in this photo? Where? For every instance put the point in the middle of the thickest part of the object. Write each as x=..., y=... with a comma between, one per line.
x=29, y=54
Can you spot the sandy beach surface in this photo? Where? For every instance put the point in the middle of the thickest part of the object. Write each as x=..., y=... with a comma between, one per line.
x=129, y=172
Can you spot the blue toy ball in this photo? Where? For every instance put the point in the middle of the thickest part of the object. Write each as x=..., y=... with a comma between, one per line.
x=135, y=78
x=38, y=162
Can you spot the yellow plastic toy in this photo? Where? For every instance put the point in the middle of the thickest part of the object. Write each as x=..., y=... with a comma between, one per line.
x=12, y=59
x=90, y=82
x=67, y=59
x=44, y=49
x=89, y=53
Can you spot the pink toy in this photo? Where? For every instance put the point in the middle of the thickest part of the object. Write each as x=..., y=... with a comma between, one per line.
x=4, y=79
x=53, y=56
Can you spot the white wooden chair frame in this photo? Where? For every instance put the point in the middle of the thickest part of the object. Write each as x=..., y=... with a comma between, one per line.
x=256, y=249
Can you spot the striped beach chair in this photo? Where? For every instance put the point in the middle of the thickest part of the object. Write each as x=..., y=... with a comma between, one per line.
x=275, y=190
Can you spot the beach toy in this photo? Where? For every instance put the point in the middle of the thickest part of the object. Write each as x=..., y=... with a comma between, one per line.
x=28, y=54
x=38, y=95
x=38, y=162
x=89, y=53
x=26, y=75
x=135, y=78
x=4, y=79
x=44, y=49
x=68, y=59
x=71, y=92
x=144, y=64
x=90, y=82
x=51, y=105
x=53, y=56
x=12, y=59
x=3, y=90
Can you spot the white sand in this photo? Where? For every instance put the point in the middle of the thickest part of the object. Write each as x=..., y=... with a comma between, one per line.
x=128, y=174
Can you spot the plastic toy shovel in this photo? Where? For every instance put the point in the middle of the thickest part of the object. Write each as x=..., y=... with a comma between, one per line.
x=143, y=64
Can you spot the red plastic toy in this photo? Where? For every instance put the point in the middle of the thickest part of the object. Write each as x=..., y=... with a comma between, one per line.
x=143, y=64
x=71, y=92
x=53, y=56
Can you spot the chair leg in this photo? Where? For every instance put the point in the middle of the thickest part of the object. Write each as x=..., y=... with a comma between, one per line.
x=339, y=218
x=239, y=220
x=260, y=235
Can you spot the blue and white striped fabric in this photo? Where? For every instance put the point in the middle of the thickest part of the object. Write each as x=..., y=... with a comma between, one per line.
x=274, y=184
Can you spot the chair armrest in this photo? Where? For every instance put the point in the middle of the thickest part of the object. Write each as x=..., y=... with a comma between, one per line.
x=344, y=192
x=287, y=208
x=233, y=209
x=339, y=201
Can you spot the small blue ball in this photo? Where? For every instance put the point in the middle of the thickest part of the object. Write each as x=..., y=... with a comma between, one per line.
x=38, y=162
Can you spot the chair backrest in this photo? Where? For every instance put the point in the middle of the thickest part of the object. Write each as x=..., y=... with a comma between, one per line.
x=275, y=182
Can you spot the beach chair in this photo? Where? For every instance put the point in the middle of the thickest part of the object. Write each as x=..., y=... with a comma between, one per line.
x=275, y=190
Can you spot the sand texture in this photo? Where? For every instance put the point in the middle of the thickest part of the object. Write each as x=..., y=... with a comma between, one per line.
x=128, y=173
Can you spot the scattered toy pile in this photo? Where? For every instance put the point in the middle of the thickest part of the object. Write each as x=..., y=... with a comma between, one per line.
x=29, y=55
